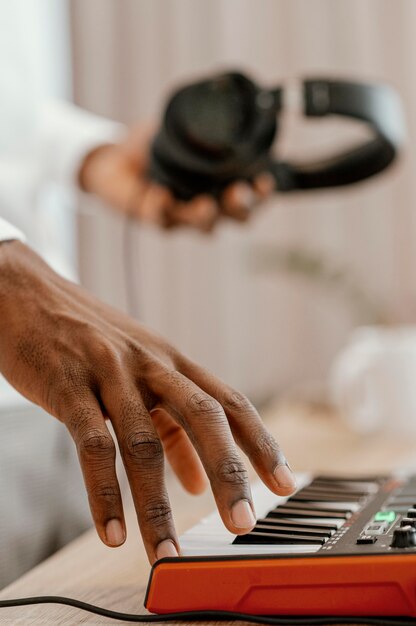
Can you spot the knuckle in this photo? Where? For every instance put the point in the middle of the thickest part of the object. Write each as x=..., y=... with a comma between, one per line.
x=96, y=443
x=236, y=401
x=71, y=382
x=231, y=470
x=174, y=354
x=136, y=351
x=107, y=356
x=267, y=445
x=143, y=447
x=157, y=513
x=139, y=358
x=202, y=404
x=134, y=347
x=107, y=493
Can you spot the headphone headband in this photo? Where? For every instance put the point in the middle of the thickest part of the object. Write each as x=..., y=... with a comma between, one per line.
x=376, y=105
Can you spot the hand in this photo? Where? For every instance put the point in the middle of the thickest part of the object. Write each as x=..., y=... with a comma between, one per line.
x=118, y=174
x=84, y=362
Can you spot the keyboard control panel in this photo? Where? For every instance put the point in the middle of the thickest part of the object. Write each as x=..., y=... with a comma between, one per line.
x=343, y=515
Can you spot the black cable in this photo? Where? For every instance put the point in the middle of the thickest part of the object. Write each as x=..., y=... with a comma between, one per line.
x=199, y=616
x=129, y=267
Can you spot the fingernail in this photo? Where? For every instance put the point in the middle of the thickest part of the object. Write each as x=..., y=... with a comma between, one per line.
x=285, y=477
x=242, y=515
x=166, y=548
x=114, y=532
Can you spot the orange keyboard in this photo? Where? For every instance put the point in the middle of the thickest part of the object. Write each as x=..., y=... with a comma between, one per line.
x=338, y=546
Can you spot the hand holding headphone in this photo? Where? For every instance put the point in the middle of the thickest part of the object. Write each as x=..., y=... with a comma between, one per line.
x=220, y=130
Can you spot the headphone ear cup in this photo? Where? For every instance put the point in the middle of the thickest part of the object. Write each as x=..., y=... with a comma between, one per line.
x=213, y=116
x=213, y=132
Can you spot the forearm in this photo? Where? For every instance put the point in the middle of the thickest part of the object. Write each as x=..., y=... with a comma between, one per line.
x=20, y=272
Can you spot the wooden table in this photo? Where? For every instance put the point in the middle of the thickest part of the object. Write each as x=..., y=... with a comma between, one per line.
x=116, y=579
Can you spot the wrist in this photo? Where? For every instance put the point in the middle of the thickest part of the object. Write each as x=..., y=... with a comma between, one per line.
x=12, y=260
x=23, y=278
x=20, y=268
x=11, y=279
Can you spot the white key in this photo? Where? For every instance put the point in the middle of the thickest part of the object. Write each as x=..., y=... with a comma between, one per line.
x=210, y=537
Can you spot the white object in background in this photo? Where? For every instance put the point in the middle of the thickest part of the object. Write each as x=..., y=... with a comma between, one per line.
x=373, y=381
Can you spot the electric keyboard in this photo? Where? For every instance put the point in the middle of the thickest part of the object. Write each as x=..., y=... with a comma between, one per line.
x=339, y=546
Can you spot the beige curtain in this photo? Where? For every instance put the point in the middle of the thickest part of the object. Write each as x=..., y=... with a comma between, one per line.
x=262, y=331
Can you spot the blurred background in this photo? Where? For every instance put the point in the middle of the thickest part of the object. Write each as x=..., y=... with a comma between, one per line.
x=267, y=305
x=328, y=261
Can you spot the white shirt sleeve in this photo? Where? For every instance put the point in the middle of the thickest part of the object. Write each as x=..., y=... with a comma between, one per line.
x=63, y=136
x=8, y=232
x=66, y=134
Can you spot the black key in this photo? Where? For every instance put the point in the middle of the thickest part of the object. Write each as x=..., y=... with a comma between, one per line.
x=317, y=506
x=277, y=528
x=285, y=511
x=340, y=489
x=254, y=538
x=332, y=490
x=347, y=487
x=324, y=526
x=329, y=493
x=314, y=497
x=349, y=479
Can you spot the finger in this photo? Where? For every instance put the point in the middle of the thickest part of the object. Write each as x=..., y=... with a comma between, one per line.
x=207, y=427
x=142, y=454
x=248, y=429
x=238, y=200
x=264, y=184
x=201, y=212
x=153, y=205
x=179, y=451
x=97, y=453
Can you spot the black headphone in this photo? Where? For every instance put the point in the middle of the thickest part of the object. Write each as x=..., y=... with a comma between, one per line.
x=222, y=129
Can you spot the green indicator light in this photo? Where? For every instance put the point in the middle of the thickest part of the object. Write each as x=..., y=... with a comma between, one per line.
x=385, y=516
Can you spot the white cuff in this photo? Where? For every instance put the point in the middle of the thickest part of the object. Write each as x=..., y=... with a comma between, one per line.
x=67, y=134
x=8, y=232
